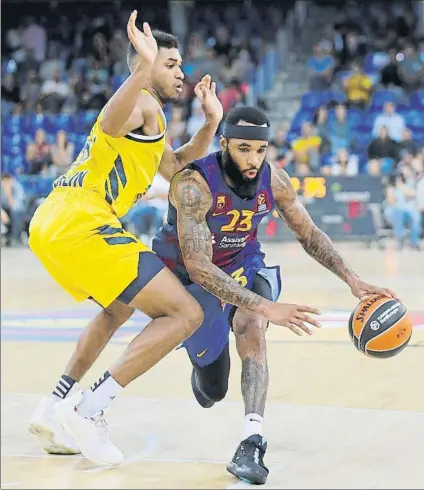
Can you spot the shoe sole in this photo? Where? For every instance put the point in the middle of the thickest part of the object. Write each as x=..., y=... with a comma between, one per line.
x=46, y=439
x=68, y=429
x=246, y=476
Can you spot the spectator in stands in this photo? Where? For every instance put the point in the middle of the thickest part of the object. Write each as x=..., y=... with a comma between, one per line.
x=13, y=203
x=222, y=45
x=340, y=132
x=390, y=73
x=38, y=154
x=320, y=121
x=284, y=147
x=197, y=118
x=411, y=69
x=10, y=95
x=358, y=87
x=231, y=96
x=321, y=69
x=382, y=154
x=342, y=163
x=354, y=48
x=306, y=150
x=408, y=144
x=31, y=90
x=177, y=127
x=403, y=210
x=54, y=92
x=395, y=123
x=62, y=153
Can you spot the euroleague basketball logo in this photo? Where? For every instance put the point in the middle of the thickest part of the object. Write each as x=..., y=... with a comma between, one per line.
x=374, y=325
x=262, y=204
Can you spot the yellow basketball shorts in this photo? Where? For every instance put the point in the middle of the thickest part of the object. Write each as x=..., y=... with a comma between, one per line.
x=83, y=246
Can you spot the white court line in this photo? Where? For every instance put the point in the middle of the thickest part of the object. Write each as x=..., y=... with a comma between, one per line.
x=11, y=484
x=149, y=460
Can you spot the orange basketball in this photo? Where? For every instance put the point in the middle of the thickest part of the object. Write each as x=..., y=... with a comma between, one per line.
x=380, y=326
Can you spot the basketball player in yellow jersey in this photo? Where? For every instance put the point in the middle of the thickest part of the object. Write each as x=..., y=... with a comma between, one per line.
x=77, y=235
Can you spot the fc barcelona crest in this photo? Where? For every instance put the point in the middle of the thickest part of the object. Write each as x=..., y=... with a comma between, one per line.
x=222, y=204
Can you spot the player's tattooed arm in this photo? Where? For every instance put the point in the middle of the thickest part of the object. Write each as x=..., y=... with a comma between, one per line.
x=191, y=197
x=315, y=242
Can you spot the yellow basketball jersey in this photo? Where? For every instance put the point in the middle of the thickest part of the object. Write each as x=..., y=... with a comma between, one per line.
x=119, y=169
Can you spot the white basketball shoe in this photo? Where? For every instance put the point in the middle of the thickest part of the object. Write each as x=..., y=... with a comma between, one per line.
x=45, y=427
x=91, y=433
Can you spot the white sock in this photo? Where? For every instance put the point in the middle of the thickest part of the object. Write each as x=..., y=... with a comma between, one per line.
x=99, y=395
x=252, y=425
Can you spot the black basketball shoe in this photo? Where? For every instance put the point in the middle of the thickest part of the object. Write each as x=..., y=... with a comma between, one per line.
x=247, y=463
x=203, y=400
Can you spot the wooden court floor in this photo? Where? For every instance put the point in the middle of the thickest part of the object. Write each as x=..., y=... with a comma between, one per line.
x=334, y=418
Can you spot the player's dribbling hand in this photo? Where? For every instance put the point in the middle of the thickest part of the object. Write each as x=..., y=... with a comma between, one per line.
x=205, y=91
x=144, y=42
x=293, y=317
x=360, y=289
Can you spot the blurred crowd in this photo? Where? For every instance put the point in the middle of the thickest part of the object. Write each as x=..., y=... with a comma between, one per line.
x=364, y=113
x=61, y=63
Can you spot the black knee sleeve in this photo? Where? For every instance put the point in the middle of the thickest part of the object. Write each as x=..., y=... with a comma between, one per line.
x=213, y=378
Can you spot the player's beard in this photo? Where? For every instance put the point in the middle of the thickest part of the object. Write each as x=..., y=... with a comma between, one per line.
x=243, y=186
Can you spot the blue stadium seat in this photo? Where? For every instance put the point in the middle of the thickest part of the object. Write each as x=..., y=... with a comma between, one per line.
x=13, y=144
x=17, y=164
x=38, y=121
x=355, y=117
x=117, y=81
x=382, y=96
x=44, y=186
x=62, y=122
x=416, y=100
x=84, y=121
x=418, y=136
x=312, y=100
x=6, y=163
x=415, y=120
x=14, y=124
x=375, y=61
x=338, y=96
x=367, y=121
x=79, y=142
x=362, y=139
x=299, y=118
x=292, y=135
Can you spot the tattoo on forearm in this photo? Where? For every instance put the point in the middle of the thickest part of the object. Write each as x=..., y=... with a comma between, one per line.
x=319, y=246
x=196, y=245
x=315, y=242
x=254, y=384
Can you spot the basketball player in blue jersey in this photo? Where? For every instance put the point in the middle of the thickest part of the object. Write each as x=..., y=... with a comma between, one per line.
x=210, y=243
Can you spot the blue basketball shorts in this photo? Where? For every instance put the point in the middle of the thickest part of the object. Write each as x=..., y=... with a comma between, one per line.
x=207, y=343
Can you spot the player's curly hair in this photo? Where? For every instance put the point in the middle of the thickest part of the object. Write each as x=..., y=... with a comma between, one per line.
x=163, y=40
x=249, y=114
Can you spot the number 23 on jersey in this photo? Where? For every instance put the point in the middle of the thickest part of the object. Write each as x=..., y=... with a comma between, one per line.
x=240, y=220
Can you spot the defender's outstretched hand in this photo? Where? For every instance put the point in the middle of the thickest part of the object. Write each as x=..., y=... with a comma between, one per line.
x=144, y=42
x=205, y=91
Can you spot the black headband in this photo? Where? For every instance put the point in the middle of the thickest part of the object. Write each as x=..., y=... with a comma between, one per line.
x=246, y=132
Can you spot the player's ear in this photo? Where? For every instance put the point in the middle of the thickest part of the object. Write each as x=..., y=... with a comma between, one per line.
x=223, y=143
